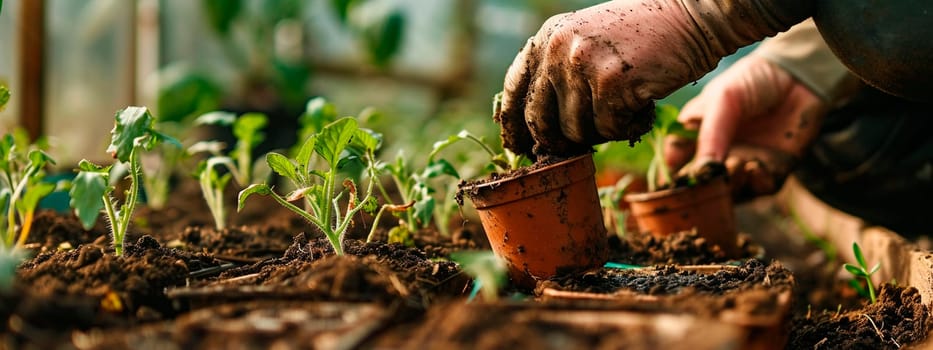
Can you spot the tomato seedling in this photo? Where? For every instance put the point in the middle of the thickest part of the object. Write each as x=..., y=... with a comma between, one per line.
x=665, y=123
x=337, y=144
x=22, y=165
x=91, y=190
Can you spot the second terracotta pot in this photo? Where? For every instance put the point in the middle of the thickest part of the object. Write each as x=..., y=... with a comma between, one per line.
x=545, y=222
x=705, y=207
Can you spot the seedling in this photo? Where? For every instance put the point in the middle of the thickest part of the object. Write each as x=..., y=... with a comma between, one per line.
x=91, y=190
x=488, y=272
x=337, y=144
x=665, y=123
x=417, y=195
x=22, y=187
x=502, y=162
x=239, y=163
x=610, y=198
x=862, y=271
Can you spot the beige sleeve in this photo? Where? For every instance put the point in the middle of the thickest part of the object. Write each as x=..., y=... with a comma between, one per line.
x=802, y=52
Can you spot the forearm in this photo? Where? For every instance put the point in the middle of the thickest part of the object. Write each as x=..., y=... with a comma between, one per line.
x=722, y=27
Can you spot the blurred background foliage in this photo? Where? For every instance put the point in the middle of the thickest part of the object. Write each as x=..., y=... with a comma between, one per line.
x=428, y=68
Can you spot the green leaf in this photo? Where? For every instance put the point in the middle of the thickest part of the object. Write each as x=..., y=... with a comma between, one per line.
x=854, y=270
x=184, y=92
x=5, y=194
x=382, y=28
x=305, y=152
x=874, y=269
x=424, y=209
x=247, y=126
x=859, y=257
x=38, y=158
x=366, y=140
x=34, y=194
x=318, y=113
x=333, y=139
x=222, y=118
x=87, y=166
x=260, y=189
x=281, y=165
x=4, y=95
x=342, y=8
x=439, y=167
x=665, y=116
x=221, y=14
x=87, y=194
x=133, y=127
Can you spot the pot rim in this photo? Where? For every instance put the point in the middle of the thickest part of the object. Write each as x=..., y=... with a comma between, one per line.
x=479, y=192
x=656, y=195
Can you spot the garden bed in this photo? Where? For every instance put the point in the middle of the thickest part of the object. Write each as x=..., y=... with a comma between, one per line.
x=186, y=286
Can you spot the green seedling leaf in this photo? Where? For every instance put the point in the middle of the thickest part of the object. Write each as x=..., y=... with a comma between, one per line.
x=854, y=270
x=260, y=189
x=439, y=167
x=247, y=126
x=424, y=209
x=4, y=97
x=365, y=139
x=221, y=118
x=34, y=194
x=87, y=191
x=333, y=139
x=133, y=128
x=859, y=257
x=281, y=165
x=874, y=269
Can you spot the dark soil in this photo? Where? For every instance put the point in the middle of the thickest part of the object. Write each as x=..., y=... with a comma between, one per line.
x=897, y=319
x=681, y=248
x=671, y=279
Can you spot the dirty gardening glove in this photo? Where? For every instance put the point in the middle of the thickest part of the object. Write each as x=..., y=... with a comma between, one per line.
x=590, y=76
x=760, y=115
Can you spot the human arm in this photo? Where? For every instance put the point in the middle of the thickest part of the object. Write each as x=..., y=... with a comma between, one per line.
x=591, y=75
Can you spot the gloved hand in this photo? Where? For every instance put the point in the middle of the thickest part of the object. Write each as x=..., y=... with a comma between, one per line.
x=756, y=118
x=590, y=76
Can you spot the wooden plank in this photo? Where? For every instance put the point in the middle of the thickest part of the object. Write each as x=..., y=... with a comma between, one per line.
x=32, y=59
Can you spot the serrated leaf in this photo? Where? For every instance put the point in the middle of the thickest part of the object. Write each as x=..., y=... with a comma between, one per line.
x=281, y=165
x=133, y=125
x=87, y=195
x=222, y=118
x=366, y=139
x=86, y=166
x=333, y=139
x=260, y=189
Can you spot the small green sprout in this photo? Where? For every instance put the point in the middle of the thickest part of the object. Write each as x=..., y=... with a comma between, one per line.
x=862, y=271
x=503, y=162
x=610, y=198
x=92, y=189
x=417, y=195
x=22, y=165
x=337, y=144
x=665, y=123
x=239, y=164
x=488, y=272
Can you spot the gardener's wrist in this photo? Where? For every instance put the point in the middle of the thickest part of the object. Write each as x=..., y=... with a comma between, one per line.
x=722, y=27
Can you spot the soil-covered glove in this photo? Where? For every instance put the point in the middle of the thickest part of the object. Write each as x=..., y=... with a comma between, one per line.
x=757, y=119
x=590, y=76
x=762, y=113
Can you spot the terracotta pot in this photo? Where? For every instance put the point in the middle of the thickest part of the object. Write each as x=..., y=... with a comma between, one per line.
x=706, y=207
x=545, y=222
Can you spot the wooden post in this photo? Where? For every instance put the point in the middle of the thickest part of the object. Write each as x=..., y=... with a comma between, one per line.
x=32, y=59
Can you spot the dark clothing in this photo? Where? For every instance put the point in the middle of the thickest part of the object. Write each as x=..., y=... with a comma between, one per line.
x=874, y=159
